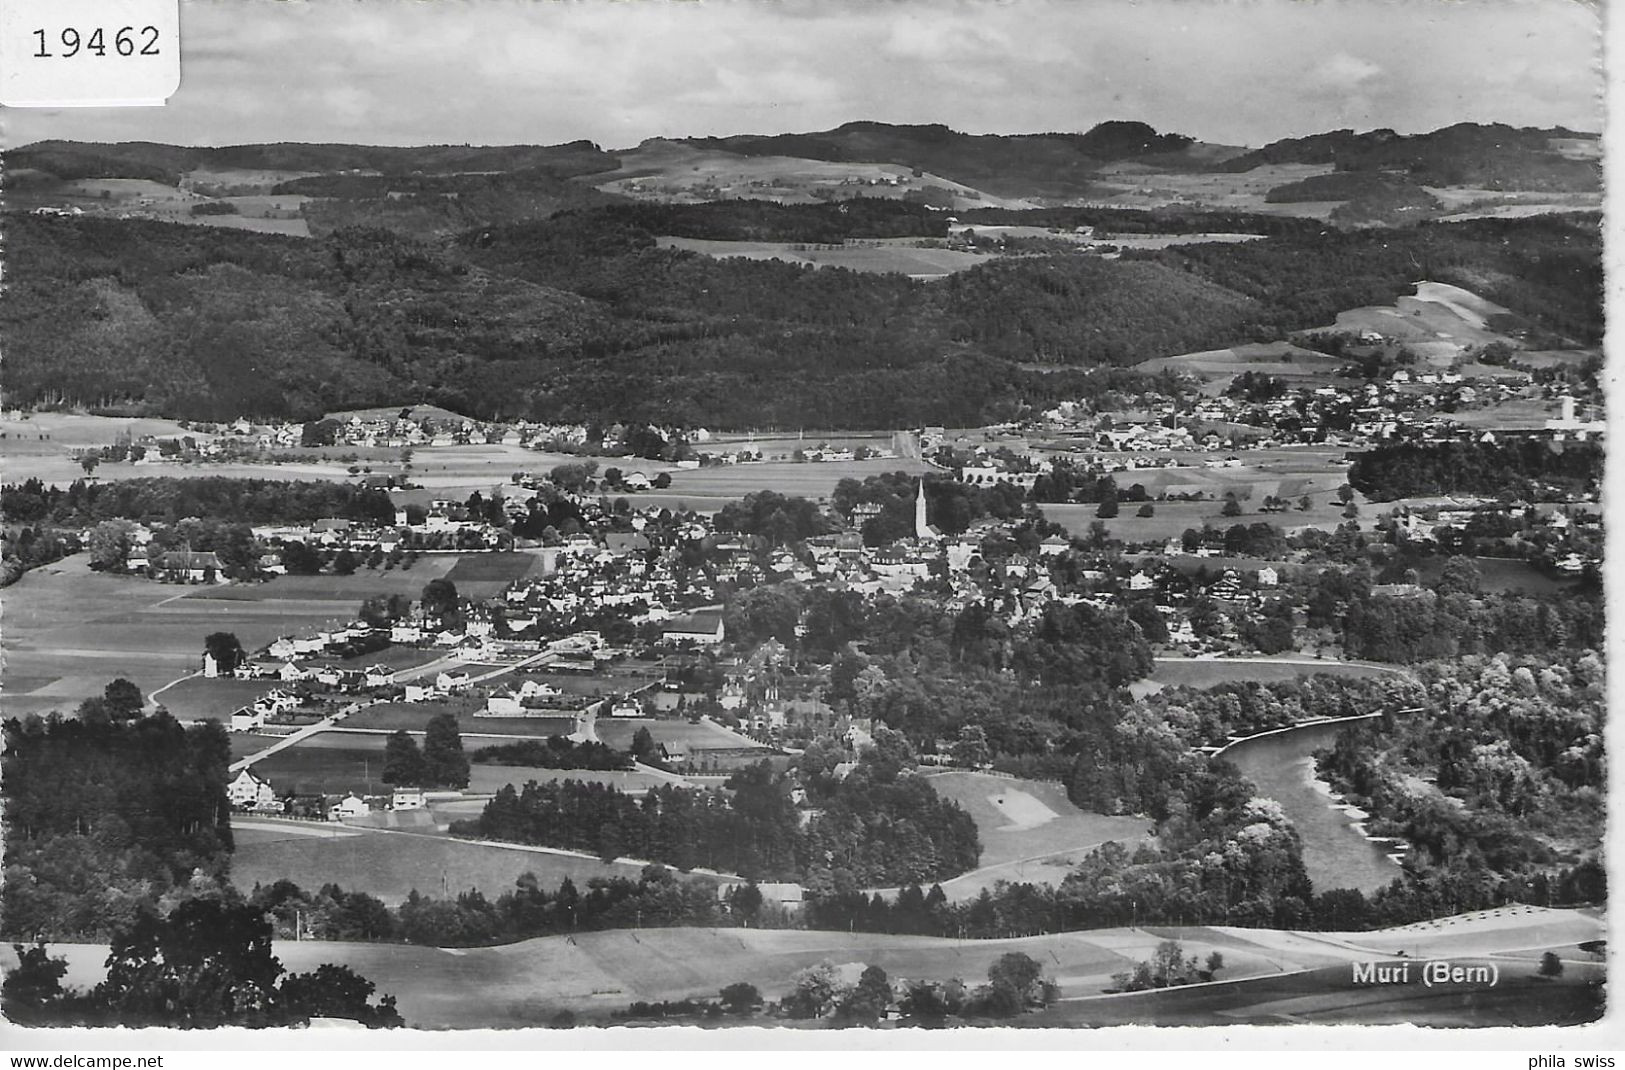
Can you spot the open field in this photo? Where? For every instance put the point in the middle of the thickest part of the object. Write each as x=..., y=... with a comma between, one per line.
x=1299, y=366
x=70, y=630
x=348, y=591
x=328, y=763
x=710, y=488
x=617, y=732
x=1133, y=185
x=195, y=698
x=389, y=864
x=904, y=256
x=488, y=575
x=414, y=717
x=245, y=743
x=1207, y=672
x=1019, y=819
x=671, y=172
x=488, y=779
x=1269, y=975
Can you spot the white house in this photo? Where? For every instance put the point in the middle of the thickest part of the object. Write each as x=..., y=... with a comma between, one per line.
x=451, y=680
x=406, y=798
x=292, y=673
x=378, y=675
x=419, y=693
x=249, y=792
x=703, y=627
x=248, y=719
x=1268, y=577
x=350, y=808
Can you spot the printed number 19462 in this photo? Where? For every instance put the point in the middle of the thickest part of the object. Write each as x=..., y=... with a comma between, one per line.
x=128, y=41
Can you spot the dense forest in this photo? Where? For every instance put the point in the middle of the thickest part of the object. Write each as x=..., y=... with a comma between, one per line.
x=1534, y=468
x=582, y=316
x=168, y=499
x=877, y=828
x=1488, y=156
x=105, y=820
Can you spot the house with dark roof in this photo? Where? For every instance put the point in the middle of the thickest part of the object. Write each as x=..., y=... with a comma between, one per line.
x=189, y=566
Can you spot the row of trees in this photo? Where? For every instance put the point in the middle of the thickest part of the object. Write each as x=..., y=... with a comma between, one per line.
x=439, y=763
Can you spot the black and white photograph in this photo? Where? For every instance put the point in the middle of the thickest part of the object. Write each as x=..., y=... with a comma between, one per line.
x=780, y=518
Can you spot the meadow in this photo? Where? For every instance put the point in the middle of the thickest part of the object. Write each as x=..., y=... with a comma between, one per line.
x=70, y=630
x=1022, y=819
x=1209, y=672
x=390, y=865
x=617, y=732
x=904, y=256
x=1272, y=976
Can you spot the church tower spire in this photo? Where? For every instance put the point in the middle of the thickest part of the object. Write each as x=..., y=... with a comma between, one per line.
x=922, y=530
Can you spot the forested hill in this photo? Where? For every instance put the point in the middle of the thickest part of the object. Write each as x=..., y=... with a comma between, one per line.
x=166, y=163
x=1492, y=156
x=1053, y=164
x=583, y=316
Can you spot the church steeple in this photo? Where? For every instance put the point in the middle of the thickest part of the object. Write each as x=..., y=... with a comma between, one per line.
x=922, y=530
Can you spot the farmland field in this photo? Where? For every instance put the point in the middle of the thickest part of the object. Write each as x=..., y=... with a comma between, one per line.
x=488, y=575
x=906, y=256
x=70, y=630
x=246, y=743
x=618, y=732
x=708, y=489
x=350, y=590
x=389, y=864
x=596, y=973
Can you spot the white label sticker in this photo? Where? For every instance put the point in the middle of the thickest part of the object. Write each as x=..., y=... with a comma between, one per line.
x=89, y=53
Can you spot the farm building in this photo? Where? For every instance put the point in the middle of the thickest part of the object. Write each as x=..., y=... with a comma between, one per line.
x=249, y=792
x=703, y=627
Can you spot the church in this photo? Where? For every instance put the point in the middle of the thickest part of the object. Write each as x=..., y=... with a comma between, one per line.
x=923, y=530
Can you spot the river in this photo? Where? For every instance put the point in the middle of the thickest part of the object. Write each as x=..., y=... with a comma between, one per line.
x=1336, y=853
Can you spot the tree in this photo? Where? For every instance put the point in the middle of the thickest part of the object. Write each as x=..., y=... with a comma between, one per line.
x=1017, y=972
x=1231, y=508
x=332, y=991
x=1551, y=965
x=109, y=544
x=123, y=699
x=443, y=759
x=1215, y=963
x=813, y=991
x=971, y=748
x=300, y=559
x=644, y=748
x=741, y=997
x=32, y=985
x=1304, y=504
x=345, y=563
x=1107, y=508
x=226, y=651
x=661, y=481
x=868, y=1000
x=1147, y=510
x=89, y=463
x=439, y=598
x=403, y=762
x=746, y=902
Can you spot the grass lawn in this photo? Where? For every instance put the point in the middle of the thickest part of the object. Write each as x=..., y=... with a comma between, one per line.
x=198, y=698
x=328, y=763
x=1208, y=672
x=390, y=865
x=350, y=590
x=1022, y=818
x=246, y=743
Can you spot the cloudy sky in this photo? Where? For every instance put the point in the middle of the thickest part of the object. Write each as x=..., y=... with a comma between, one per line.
x=619, y=71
